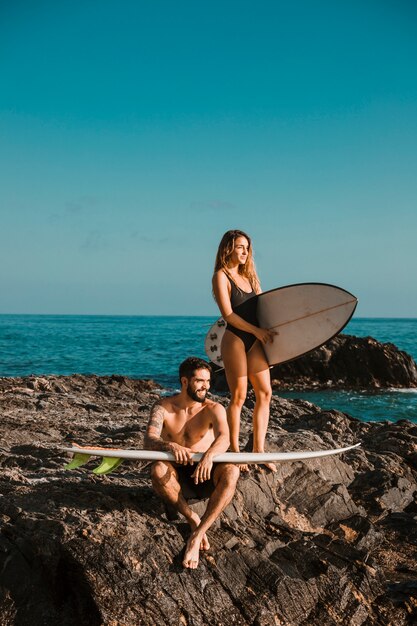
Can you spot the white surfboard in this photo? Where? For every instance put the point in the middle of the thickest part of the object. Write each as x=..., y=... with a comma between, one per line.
x=227, y=457
x=305, y=316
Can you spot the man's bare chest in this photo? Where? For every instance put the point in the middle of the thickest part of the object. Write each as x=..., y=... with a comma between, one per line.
x=187, y=429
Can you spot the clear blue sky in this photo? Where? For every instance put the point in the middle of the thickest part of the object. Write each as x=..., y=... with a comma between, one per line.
x=133, y=134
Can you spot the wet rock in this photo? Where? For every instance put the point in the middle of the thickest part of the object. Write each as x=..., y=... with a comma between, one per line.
x=329, y=541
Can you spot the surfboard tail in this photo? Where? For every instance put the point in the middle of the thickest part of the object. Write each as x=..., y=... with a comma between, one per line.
x=78, y=460
x=107, y=465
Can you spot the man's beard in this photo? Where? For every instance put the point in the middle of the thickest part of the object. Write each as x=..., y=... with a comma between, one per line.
x=193, y=395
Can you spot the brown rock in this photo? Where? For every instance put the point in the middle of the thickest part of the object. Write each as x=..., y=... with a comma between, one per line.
x=329, y=541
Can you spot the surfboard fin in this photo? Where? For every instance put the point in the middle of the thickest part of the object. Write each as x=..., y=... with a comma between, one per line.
x=77, y=460
x=108, y=464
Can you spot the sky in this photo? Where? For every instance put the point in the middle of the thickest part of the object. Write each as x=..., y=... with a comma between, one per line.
x=134, y=134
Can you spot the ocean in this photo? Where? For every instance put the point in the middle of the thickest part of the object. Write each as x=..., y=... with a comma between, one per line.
x=152, y=347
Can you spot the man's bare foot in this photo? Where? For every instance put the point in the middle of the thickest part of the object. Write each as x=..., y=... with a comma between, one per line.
x=194, y=523
x=192, y=552
x=243, y=467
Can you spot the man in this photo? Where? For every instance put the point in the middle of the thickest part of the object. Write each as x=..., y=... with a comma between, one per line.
x=184, y=424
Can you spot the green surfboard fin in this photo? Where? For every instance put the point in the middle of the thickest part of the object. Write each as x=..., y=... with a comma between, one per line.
x=108, y=464
x=77, y=460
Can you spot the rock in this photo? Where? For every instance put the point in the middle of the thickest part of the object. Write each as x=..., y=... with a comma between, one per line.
x=345, y=362
x=329, y=541
x=348, y=362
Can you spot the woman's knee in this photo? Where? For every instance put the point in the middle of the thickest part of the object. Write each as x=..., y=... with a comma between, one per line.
x=263, y=395
x=238, y=397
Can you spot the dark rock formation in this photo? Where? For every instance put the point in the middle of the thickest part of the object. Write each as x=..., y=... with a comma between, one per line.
x=345, y=362
x=348, y=362
x=323, y=542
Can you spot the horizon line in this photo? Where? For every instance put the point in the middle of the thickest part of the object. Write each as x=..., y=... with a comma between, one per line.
x=379, y=317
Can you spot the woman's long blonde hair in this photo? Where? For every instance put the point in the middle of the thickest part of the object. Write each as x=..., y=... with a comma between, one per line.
x=224, y=252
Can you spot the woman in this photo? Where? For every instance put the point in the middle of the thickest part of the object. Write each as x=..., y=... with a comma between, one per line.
x=235, y=283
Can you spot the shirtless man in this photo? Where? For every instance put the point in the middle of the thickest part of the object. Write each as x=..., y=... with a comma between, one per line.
x=184, y=424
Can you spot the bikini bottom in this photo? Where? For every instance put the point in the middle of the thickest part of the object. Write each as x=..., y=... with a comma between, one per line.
x=247, y=338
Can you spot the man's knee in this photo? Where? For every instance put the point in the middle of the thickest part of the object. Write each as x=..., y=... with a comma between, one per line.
x=161, y=472
x=229, y=474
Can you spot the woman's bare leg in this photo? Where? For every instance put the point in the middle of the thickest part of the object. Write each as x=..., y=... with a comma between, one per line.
x=234, y=359
x=260, y=378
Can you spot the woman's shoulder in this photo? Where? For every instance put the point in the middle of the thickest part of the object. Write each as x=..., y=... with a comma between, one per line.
x=220, y=276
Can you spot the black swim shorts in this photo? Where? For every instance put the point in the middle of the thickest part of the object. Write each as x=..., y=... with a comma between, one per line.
x=188, y=486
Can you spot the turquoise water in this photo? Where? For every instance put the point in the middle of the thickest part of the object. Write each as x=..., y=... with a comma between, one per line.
x=137, y=346
x=373, y=406
x=368, y=406
x=152, y=347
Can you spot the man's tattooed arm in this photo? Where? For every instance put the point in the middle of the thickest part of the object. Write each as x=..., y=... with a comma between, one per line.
x=153, y=439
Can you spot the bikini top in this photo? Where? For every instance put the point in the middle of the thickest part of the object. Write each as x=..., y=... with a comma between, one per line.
x=238, y=296
x=246, y=301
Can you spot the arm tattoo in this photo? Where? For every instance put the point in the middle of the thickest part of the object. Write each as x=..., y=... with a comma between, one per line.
x=153, y=439
x=156, y=420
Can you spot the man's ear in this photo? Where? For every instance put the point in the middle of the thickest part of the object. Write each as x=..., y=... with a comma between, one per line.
x=184, y=381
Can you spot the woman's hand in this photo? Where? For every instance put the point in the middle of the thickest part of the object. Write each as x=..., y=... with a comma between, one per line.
x=183, y=455
x=265, y=335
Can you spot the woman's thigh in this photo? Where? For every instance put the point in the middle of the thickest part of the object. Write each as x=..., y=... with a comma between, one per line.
x=235, y=363
x=258, y=369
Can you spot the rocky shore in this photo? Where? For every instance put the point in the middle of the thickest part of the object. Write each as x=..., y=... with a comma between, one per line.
x=321, y=542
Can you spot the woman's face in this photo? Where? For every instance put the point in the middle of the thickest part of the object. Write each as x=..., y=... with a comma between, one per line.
x=240, y=251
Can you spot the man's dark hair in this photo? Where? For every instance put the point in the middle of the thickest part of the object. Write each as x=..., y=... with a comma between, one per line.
x=190, y=365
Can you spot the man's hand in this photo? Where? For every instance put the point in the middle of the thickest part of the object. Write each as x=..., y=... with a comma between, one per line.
x=203, y=469
x=183, y=455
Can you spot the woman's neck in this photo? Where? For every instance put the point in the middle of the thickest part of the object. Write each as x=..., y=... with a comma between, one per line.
x=233, y=269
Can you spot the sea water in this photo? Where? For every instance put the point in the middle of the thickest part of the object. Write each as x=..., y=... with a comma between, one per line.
x=153, y=347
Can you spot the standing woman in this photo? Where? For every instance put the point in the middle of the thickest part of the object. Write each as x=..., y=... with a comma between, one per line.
x=235, y=282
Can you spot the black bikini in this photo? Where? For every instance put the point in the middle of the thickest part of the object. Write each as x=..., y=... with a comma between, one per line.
x=244, y=304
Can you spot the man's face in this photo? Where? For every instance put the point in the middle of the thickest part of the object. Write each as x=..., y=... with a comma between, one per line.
x=198, y=385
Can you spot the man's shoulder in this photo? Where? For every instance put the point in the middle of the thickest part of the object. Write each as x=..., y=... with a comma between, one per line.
x=167, y=402
x=214, y=407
